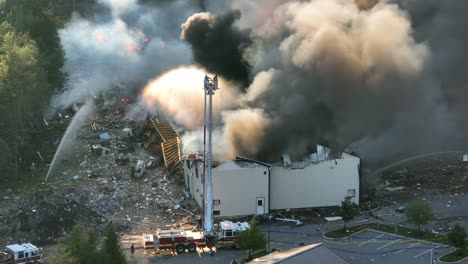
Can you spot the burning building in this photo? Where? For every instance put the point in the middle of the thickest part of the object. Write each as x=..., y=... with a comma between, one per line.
x=245, y=186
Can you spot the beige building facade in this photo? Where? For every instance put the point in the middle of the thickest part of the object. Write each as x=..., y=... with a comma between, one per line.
x=240, y=186
x=315, y=184
x=248, y=187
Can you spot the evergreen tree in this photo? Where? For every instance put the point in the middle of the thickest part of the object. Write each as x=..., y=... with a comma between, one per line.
x=111, y=251
x=79, y=247
x=457, y=238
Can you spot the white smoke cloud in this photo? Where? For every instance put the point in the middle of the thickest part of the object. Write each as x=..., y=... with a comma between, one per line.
x=119, y=6
x=133, y=45
x=179, y=93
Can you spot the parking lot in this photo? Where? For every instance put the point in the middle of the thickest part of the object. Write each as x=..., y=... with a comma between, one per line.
x=365, y=247
x=372, y=246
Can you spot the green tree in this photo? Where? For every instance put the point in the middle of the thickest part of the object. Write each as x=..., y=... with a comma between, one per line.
x=252, y=238
x=348, y=210
x=80, y=246
x=419, y=213
x=31, y=61
x=21, y=94
x=111, y=251
x=457, y=238
x=35, y=19
x=64, y=257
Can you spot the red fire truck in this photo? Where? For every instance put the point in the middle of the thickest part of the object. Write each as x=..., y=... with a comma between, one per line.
x=180, y=240
x=20, y=254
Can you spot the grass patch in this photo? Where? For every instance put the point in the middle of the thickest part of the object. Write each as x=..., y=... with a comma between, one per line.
x=453, y=256
x=397, y=230
x=341, y=233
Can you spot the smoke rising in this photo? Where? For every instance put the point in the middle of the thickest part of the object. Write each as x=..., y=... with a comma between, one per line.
x=179, y=93
x=131, y=45
x=218, y=45
x=384, y=78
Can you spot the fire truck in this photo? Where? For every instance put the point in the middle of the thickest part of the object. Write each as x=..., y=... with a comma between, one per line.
x=179, y=240
x=20, y=254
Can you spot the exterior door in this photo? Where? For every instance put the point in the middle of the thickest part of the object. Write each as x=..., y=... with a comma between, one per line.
x=260, y=205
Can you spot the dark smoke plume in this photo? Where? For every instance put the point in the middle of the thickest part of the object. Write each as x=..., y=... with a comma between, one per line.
x=384, y=78
x=218, y=45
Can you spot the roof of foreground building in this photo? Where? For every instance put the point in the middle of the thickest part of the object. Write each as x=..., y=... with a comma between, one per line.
x=310, y=254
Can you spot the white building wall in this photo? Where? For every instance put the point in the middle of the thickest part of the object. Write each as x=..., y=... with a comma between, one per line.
x=238, y=188
x=317, y=185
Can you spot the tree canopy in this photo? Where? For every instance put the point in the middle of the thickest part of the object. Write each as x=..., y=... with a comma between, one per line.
x=31, y=60
x=419, y=213
x=457, y=238
x=81, y=247
x=348, y=210
x=252, y=238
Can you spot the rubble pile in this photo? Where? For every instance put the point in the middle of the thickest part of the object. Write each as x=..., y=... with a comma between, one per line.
x=447, y=175
x=116, y=173
x=46, y=217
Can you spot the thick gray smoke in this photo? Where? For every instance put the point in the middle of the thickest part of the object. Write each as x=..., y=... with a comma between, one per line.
x=218, y=45
x=334, y=79
x=130, y=44
x=385, y=78
x=382, y=78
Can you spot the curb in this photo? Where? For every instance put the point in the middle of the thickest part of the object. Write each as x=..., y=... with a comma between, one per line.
x=343, y=238
x=458, y=261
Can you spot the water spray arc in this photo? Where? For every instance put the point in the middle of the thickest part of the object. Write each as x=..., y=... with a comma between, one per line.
x=210, y=86
x=70, y=133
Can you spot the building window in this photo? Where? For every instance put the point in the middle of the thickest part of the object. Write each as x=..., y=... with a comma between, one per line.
x=21, y=254
x=216, y=212
x=26, y=255
x=216, y=202
x=260, y=202
x=229, y=233
x=351, y=193
x=264, y=172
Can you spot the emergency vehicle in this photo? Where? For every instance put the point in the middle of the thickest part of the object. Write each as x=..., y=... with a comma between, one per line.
x=20, y=254
x=179, y=240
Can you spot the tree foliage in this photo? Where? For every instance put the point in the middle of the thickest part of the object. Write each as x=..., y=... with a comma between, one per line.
x=252, y=238
x=348, y=210
x=81, y=247
x=31, y=60
x=111, y=250
x=457, y=238
x=35, y=19
x=419, y=213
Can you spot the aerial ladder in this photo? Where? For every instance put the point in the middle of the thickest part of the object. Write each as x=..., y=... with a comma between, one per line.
x=210, y=86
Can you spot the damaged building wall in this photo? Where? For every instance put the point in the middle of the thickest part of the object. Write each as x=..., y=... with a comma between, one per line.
x=193, y=174
x=248, y=187
x=170, y=145
x=325, y=183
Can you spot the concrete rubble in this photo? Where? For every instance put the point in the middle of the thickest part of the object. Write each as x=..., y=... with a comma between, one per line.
x=114, y=173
